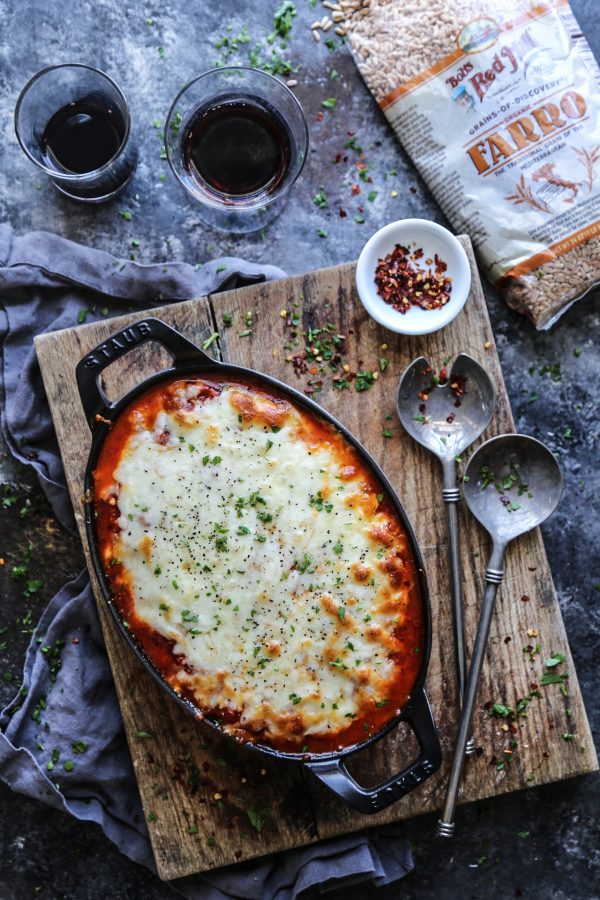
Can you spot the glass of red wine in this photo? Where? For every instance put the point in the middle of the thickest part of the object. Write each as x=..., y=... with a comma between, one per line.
x=73, y=122
x=236, y=139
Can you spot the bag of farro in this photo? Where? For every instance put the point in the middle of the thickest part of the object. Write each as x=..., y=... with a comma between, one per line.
x=498, y=104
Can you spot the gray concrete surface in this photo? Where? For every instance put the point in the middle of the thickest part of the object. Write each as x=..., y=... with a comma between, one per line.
x=42, y=852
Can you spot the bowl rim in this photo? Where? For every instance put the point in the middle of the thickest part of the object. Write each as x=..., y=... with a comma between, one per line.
x=383, y=312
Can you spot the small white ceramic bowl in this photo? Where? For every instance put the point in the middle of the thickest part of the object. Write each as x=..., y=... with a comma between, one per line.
x=433, y=238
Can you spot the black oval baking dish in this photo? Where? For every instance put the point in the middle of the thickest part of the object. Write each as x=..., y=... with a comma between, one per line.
x=188, y=359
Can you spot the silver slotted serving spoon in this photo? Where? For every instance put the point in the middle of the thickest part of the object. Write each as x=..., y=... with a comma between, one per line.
x=512, y=483
x=446, y=420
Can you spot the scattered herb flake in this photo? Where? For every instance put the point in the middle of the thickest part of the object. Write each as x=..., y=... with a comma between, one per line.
x=320, y=199
x=210, y=340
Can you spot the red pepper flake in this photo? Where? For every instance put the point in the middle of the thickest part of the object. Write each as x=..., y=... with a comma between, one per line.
x=402, y=283
x=319, y=117
x=355, y=189
x=412, y=189
x=507, y=639
x=343, y=213
x=338, y=157
x=458, y=388
x=450, y=419
x=525, y=598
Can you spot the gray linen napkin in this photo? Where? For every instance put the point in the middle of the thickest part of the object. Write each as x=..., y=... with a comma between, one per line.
x=45, y=281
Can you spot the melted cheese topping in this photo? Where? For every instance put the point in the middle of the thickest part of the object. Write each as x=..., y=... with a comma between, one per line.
x=250, y=538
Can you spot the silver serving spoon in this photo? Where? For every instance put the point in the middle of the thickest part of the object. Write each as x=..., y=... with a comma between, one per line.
x=446, y=423
x=511, y=484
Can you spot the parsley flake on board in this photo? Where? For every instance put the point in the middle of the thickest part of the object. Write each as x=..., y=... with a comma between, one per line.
x=257, y=816
x=364, y=380
x=210, y=340
x=555, y=660
x=552, y=678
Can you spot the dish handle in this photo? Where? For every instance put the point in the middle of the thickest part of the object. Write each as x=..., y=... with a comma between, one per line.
x=334, y=774
x=93, y=399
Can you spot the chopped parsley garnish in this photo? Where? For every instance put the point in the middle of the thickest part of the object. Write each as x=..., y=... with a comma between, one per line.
x=210, y=340
x=303, y=566
x=320, y=199
x=282, y=20
x=552, y=678
x=257, y=817
x=79, y=746
x=319, y=502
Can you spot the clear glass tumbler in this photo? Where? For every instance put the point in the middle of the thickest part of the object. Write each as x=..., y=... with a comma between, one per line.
x=236, y=139
x=73, y=122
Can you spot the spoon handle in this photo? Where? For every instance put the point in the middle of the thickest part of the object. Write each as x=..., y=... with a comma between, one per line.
x=493, y=577
x=451, y=495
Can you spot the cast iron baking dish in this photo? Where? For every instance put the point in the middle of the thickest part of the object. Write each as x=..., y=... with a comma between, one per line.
x=188, y=359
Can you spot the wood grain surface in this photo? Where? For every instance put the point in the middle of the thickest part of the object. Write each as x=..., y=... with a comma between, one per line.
x=203, y=796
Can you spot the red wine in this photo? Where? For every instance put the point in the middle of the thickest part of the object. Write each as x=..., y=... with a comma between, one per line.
x=237, y=147
x=83, y=136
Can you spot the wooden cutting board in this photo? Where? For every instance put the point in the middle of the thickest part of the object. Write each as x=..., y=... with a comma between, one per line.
x=208, y=802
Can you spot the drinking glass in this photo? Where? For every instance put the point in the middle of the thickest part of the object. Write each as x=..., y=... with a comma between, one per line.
x=213, y=96
x=67, y=94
